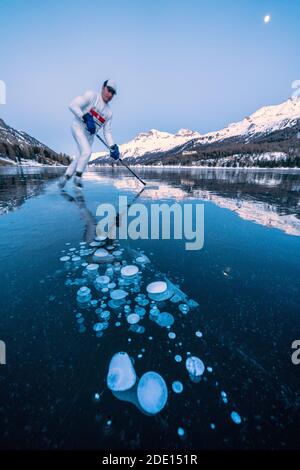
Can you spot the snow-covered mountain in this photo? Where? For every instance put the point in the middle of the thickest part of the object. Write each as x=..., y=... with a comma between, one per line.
x=12, y=136
x=276, y=121
x=152, y=142
x=262, y=122
x=19, y=147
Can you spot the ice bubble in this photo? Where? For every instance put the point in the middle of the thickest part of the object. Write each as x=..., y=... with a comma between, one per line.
x=157, y=287
x=140, y=310
x=209, y=369
x=94, y=303
x=177, y=386
x=95, y=244
x=142, y=259
x=172, y=335
x=105, y=315
x=92, y=268
x=154, y=310
x=137, y=329
x=152, y=392
x=110, y=247
x=84, y=295
x=118, y=294
x=133, y=318
x=178, y=358
x=195, y=368
x=83, y=291
x=129, y=271
x=121, y=374
x=72, y=249
x=115, y=304
x=192, y=303
x=80, y=320
x=184, y=308
x=180, y=432
x=163, y=296
x=97, y=396
x=109, y=271
x=98, y=327
x=75, y=259
x=117, y=253
x=175, y=298
x=102, y=281
x=102, y=256
x=165, y=319
x=117, y=323
x=213, y=426
x=111, y=285
x=224, y=397
x=65, y=258
x=236, y=417
x=199, y=334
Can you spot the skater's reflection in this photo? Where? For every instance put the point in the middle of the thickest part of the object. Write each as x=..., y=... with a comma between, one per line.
x=85, y=214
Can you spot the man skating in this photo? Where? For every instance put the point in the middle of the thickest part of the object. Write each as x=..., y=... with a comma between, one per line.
x=92, y=112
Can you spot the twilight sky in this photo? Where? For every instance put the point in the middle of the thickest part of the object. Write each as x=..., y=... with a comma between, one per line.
x=178, y=64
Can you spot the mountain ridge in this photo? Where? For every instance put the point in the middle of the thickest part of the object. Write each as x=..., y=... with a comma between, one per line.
x=17, y=146
x=272, y=124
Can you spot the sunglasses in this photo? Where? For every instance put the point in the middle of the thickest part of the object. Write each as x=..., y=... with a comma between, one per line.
x=111, y=90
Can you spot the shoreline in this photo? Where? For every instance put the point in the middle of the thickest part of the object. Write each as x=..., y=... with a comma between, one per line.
x=191, y=167
x=156, y=167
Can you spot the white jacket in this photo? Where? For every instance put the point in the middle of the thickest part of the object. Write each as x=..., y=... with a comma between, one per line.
x=92, y=100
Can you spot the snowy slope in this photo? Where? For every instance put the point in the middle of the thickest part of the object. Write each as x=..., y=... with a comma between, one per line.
x=14, y=137
x=152, y=142
x=264, y=121
x=18, y=147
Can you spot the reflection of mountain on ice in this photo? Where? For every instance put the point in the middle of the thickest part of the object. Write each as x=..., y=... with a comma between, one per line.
x=249, y=203
x=260, y=212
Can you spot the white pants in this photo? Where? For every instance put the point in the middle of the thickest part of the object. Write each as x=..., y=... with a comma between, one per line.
x=84, y=141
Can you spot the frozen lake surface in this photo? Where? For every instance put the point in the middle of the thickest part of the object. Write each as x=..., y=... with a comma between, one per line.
x=208, y=367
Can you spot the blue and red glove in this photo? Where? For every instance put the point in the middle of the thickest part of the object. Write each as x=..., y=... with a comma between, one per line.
x=114, y=152
x=88, y=119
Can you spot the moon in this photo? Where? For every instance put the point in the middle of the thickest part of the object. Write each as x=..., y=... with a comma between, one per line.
x=267, y=19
